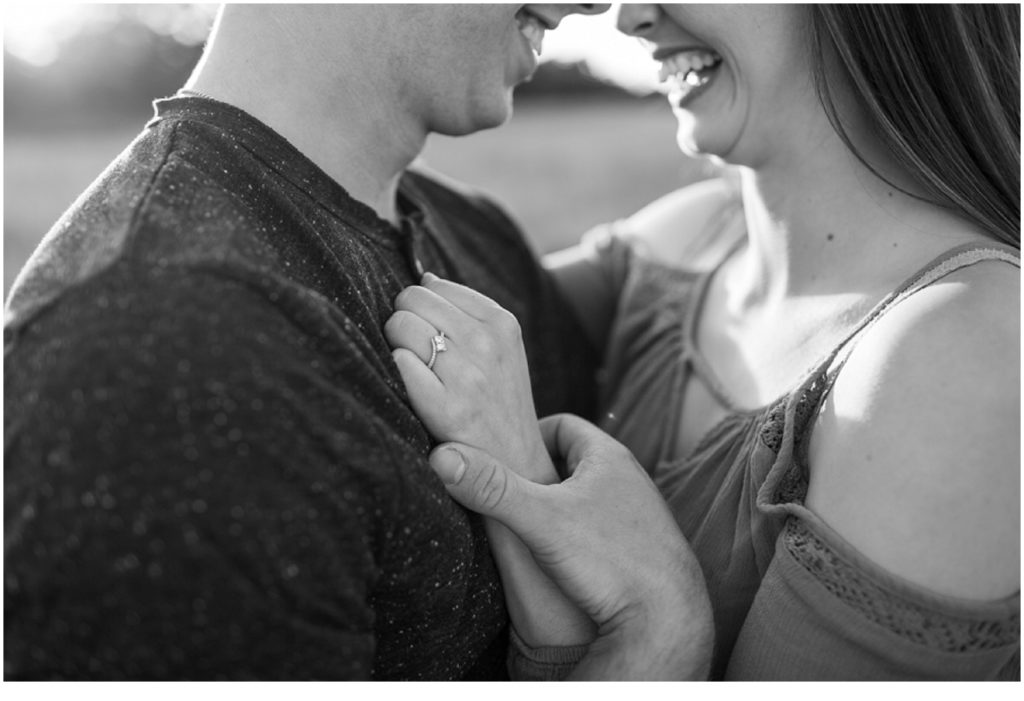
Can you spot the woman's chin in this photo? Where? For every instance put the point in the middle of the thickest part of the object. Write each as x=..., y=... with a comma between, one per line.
x=716, y=147
x=690, y=145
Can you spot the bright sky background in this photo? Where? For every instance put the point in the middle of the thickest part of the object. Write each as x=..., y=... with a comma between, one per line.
x=33, y=31
x=608, y=53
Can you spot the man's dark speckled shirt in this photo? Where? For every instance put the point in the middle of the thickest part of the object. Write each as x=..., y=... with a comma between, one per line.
x=211, y=466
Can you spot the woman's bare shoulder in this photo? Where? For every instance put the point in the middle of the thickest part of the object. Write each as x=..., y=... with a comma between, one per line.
x=685, y=226
x=915, y=458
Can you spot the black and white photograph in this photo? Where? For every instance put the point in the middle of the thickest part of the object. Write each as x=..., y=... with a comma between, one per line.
x=386, y=342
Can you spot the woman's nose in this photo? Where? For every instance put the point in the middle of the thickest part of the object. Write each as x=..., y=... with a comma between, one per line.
x=594, y=9
x=637, y=20
x=553, y=14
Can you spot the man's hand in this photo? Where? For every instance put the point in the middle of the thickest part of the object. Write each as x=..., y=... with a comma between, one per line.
x=607, y=538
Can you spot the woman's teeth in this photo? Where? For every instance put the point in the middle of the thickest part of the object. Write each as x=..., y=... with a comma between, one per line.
x=692, y=68
x=532, y=29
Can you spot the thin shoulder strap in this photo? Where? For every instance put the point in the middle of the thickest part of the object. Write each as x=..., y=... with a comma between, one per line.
x=944, y=264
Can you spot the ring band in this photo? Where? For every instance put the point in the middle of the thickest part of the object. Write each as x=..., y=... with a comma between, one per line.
x=437, y=345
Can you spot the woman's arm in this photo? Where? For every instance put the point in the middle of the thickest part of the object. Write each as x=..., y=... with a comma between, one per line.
x=685, y=228
x=478, y=392
x=920, y=437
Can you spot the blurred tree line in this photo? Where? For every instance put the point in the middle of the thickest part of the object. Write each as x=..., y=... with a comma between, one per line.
x=112, y=67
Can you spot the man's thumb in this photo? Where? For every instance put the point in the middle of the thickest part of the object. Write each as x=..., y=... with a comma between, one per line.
x=483, y=484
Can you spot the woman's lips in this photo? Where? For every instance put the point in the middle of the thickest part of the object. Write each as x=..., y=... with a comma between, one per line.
x=687, y=72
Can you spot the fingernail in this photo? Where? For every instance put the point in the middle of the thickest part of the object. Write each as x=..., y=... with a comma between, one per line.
x=429, y=277
x=448, y=464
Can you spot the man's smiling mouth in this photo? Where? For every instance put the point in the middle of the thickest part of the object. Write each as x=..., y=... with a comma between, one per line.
x=531, y=27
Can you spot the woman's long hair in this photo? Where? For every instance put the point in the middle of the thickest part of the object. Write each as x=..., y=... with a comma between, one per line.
x=942, y=86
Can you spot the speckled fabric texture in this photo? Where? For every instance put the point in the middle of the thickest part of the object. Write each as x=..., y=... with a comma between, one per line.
x=211, y=467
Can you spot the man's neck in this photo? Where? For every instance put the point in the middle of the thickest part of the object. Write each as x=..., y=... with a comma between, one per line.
x=348, y=126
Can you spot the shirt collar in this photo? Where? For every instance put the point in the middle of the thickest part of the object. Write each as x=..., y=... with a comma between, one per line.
x=278, y=154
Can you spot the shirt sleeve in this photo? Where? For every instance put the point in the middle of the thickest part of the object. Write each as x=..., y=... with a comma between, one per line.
x=592, y=275
x=192, y=490
x=821, y=615
x=541, y=664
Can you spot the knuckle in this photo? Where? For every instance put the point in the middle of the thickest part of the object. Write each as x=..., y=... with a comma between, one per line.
x=483, y=345
x=508, y=324
x=394, y=323
x=492, y=317
x=398, y=326
x=402, y=298
x=491, y=486
x=408, y=297
x=401, y=319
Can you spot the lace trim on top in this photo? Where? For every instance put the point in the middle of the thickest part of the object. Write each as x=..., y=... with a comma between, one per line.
x=775, y=424
x=942, y=631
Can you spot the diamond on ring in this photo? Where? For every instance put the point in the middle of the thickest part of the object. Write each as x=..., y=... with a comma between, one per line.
x=437, y=345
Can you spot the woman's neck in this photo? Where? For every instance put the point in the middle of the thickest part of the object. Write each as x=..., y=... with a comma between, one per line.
x=831, y=226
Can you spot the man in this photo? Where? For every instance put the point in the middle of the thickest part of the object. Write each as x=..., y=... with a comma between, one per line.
x=212, y=469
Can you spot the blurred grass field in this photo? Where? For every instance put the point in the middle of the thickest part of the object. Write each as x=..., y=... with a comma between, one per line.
x=559, y=167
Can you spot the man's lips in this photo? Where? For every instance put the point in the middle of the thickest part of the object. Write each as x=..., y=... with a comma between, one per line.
x=532, y=27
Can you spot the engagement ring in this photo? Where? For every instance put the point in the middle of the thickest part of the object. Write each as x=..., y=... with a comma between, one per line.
x=437, y=345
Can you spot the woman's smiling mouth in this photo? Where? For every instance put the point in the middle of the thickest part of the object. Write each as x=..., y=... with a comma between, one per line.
x=687, y=71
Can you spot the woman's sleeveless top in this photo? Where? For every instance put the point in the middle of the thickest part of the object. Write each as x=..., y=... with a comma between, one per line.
x=738, y=498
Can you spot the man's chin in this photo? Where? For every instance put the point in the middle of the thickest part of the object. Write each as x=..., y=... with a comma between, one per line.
x=480, y=120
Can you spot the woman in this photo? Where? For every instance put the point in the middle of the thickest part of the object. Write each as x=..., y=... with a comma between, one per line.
x=818, y=367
